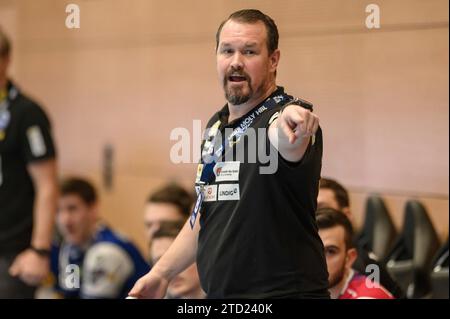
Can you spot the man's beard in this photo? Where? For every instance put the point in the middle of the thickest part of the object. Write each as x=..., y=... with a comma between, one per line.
x=336, y=279
x=235, y=96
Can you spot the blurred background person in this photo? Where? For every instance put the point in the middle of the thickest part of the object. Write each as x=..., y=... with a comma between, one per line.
x=109, y=264
x=170, y=203
x=28, y=187
x=333, y=195
x=336, y=233
x=185, y=285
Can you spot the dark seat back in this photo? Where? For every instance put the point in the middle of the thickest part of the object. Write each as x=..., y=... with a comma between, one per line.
x=378, y=232
x=410, y=260
x=439, y=274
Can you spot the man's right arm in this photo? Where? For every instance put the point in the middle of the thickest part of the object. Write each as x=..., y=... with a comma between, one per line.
x=180, y=255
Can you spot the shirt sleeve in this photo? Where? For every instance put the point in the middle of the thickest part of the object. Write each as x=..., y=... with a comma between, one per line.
x=299, y=180
x=36, y=136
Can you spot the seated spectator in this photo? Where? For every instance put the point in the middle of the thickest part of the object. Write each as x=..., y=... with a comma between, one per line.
x=92, y=260
x=185, y=285
x=333, y=195
x=171, y=203
x=336, y=233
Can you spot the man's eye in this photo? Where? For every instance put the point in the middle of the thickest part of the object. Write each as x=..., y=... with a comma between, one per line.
x=226, y=51
x=249, y=52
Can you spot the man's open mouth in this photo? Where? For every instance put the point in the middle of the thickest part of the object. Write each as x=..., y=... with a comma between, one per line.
x=237, y=78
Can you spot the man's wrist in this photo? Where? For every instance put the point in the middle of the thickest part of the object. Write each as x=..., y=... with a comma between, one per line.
x=299, y=102
x=43, y=252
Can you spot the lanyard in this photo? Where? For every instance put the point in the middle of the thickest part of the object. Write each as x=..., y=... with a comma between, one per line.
x=241, y=128
x=207, y=175
x=5, y=116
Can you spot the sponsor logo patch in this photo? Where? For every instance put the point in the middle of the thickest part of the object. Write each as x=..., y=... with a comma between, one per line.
x=227, y=171
x=210, y=193
x=228, y=192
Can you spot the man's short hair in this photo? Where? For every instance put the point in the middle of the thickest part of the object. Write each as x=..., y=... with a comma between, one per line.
x=253, y=16
x=340, y=193
x=175, y=195
x=5, y=44
x=81, y=187
x=329, y=218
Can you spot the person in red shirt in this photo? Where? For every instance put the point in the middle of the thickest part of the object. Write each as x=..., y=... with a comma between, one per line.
x=336, y=233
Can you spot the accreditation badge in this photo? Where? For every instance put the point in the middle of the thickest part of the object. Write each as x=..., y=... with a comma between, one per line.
x=198, y=205
x=199, y=173
x=213, y=129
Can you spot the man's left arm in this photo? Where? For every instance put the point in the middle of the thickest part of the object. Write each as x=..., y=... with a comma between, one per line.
x=32, y=265
x=291, y=132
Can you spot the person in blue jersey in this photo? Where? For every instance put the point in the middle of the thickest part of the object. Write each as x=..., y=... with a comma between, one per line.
x=92, y=261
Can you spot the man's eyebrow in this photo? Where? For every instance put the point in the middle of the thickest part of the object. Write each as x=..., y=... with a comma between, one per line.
x=246, y=45
x=332, y=247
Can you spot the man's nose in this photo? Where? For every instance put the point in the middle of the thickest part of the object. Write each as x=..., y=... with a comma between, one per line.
x=237, y=62
x=63, y=217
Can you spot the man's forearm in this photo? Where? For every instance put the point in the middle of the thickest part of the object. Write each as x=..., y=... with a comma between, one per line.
x=44, y=216
x=181, y=254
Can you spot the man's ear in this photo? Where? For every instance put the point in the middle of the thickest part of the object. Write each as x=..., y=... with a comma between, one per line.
x=5, y=62
x=352, y=254
x=94, y=208
x=274, y=59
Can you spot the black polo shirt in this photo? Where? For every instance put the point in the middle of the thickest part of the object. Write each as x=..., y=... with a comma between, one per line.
x=25, y=139
x=258, y=236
